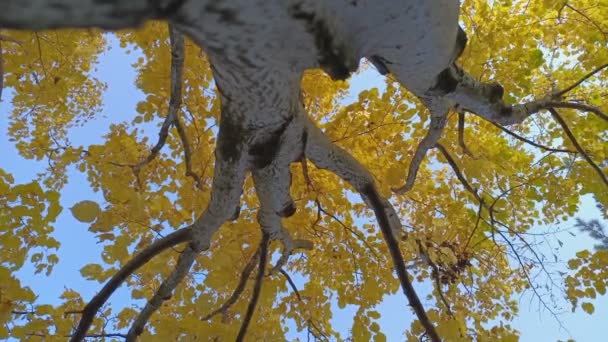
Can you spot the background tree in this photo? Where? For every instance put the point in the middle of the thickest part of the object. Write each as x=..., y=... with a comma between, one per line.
x=470, y=167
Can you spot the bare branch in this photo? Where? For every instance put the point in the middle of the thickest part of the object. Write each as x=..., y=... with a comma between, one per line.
x=89, y=311
x=257, y=287
x=528, y=141
x=239, y=288
x=577, y=83
x=579, y=148
x=428, y=142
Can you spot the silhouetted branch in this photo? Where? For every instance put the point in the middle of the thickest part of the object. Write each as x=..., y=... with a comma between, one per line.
x=291, y=283
x=580, y=106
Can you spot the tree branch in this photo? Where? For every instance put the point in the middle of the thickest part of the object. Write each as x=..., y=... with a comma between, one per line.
x=257, y=287
x=528, y=141
x=577, y=83
x=463, y=145
x=428, y=142
x=326, y=155
x=578, y=147
x=164, y=292
x=579, y=106
x=458, y=173
x=89, y=311
x=175, y=100
x=239, y=288
x=187, y=154
x=108, y=14
x=291, y=283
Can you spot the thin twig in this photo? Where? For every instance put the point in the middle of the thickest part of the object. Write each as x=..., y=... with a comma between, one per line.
x=579, y=148
x=352, y=231
x=257, y=287
x=89, y=311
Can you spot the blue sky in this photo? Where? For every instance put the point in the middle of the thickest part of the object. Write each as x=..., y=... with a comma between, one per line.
x=78, y=246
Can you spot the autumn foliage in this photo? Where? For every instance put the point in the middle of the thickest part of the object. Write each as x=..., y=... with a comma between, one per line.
x=477, y=196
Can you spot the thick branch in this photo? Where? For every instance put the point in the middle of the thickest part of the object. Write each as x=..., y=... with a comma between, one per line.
x=108, y=14
x=257, y=287
x=89, y=311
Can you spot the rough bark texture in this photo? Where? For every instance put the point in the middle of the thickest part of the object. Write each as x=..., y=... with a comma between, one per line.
x=258, y=51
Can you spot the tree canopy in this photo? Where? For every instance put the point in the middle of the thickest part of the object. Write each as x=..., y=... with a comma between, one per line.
x=244, y=214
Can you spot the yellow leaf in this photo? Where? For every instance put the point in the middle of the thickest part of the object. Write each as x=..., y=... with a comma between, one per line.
x=85, y=211
x=588, y=308
x=91, y=271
